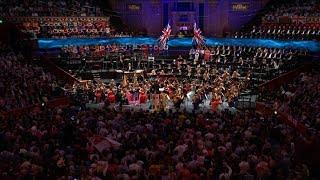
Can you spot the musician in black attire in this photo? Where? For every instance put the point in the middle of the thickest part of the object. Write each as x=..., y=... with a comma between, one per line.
x=155, y=88
x=196, y=102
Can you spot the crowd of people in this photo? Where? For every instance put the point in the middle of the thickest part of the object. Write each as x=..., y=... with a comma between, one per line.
x=68, y=143
x=97, y=51
x=65, y=27
x=75, y=142
x=78, y=143
x=299, y=99
x=57, y=19
x=159, y=142
x=73, y=27
x=16, y=8
x=292, y=9
x=266, y=63
x=218, y=74
x=283, y=31
x=293, y=19
x=23, y=84
x=68, y=27
x=161, y=89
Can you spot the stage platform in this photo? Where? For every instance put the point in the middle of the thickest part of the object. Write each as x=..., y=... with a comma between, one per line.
x=244, y=102
x=312, y=46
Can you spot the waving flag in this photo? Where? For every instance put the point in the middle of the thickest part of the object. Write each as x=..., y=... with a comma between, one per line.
x=165, y=36
x=197, y=39
x=101, y=143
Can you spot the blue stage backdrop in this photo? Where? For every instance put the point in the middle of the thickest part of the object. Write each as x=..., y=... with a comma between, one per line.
x=312, y=46
x=215, y=17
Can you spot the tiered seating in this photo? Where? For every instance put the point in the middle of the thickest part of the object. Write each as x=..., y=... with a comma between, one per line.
x=51, y=19
x=266, y=62
x=63, y=27
x=299, y=99
x=284, y=31
x=296, y=19
x=16, y=8
x=78, y=142
x=245, y=67
x=22, y=84
x=81, y=27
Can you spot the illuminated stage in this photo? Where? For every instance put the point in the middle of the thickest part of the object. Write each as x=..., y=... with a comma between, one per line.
x=312, y=46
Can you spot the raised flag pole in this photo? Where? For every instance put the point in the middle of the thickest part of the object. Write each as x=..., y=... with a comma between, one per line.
x=164, y=38
x=198, y=39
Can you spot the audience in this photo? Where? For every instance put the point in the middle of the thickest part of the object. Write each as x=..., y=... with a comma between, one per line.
x=57, y=19
x=283, y=31
x=299, y=99
x=67, y=27
x=76, y=142
x=22, y=84
x=103, y=144
x=71, y=27
x=293, y=19
x=223, y=85
x=264, y=63
x=16, y=8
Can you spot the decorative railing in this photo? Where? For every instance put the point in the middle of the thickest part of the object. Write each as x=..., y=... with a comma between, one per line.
x=287, y=77
x=58, y=72
x=60, y=101
x=57, y=102
x=274, y=84
x=266, y=110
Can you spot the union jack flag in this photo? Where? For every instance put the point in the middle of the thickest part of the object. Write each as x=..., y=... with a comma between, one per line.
x=166, y=32
x=197, y=39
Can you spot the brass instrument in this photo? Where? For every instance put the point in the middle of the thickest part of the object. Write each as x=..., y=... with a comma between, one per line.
x=135, y=79
x=125, y=81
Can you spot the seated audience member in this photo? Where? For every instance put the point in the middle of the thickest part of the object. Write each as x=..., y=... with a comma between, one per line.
x=23, y=84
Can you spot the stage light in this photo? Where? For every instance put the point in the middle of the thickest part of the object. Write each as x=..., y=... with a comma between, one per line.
x=275, y=112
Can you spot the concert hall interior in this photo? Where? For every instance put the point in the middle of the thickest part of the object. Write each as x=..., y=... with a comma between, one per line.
x=160, y=89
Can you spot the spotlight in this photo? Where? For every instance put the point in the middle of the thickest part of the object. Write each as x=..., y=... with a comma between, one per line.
x=275, y=112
